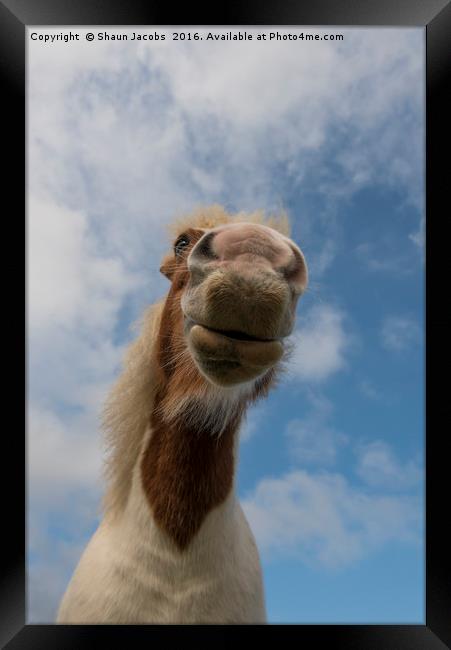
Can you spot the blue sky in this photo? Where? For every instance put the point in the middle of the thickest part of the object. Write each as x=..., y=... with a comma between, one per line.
x=124, y=136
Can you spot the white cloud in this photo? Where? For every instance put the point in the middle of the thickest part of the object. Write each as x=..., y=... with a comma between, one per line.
x=312, y=442
x=367, y=388
x=71, y=284
x=313, y=439
x=252, y=89
x=379, y=467
x=75, y=293
x=46, y=583
x=152, y=129
x=320, y=343
x=399, y=333
x=322, y=259
x=419, y=237
x=254, y=419
x=64, y=488
x=383, y=257
x=63, y=455
x=52, y=558
x=326, y=522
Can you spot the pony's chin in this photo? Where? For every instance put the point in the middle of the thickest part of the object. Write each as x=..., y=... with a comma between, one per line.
x=228, y=360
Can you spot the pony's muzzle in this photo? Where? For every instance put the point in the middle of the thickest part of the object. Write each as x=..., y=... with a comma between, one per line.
x=228, y=360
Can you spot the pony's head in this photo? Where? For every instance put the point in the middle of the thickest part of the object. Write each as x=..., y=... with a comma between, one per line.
x=235, y=282
x=212, y=345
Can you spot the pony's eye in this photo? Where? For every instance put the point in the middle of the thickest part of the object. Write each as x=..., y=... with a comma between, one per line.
x=181, y=243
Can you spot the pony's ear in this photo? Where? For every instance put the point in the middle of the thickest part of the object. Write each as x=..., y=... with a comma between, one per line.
x=167, y=267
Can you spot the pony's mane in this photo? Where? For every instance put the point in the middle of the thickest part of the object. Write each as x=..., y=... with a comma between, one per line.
x=128, y=406
x=127, y=410
x=215, y=215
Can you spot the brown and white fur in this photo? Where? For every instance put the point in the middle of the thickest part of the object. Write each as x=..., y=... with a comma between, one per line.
x=174, y=545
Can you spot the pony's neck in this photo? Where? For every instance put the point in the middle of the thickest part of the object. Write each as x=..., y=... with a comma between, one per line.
x=188, y=465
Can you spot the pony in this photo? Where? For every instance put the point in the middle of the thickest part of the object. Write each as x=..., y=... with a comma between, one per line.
x=173, y=545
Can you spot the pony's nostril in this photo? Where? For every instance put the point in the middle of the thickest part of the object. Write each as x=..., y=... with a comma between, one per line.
x=296, y=270
x=204, y=248
x=200, y=258
x=243, y=246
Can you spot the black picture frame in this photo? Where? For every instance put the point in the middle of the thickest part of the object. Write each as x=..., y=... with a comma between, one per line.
x=435, y=17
